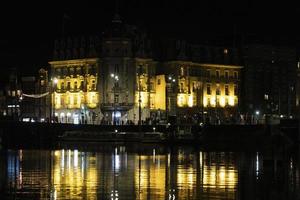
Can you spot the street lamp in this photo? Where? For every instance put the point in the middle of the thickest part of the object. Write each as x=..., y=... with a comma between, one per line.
x=257, y=115
x=169, y=83
x=53, y=83
x=116, y=79
x=140, y=97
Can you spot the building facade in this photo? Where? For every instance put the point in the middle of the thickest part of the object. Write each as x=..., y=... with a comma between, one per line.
x=75, y=97
x=270, y=82
x=124, y=77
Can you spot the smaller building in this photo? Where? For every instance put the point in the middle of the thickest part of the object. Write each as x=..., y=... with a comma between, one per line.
x=75, y=97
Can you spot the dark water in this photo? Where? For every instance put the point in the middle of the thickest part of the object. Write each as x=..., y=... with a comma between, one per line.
x=115, y=172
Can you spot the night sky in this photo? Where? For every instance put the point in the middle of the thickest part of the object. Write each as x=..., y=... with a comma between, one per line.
x=28, y=30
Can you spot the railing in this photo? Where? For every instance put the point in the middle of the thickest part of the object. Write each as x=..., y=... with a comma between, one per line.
x=117, y=104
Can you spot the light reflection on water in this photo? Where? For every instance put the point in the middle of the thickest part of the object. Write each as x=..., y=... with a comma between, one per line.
x=116, y=173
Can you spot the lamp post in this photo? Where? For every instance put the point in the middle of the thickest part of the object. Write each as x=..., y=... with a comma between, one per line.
x=169, y=82
x=140, y=97
x=116, y=79
x=53, y=84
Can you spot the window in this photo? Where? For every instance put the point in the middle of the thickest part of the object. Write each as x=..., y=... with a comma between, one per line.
x=75, y=85
x=181, y=71
x=158, y=81
x=181, y=87
x=225, y=51
x=94, y=99
x=62, y=87
x=226, y=74
x=116, y=98
x=208, y=91
x=81, y=85
x=218, y=74
x=93, y=85
x=235, y=90
x=226, y=90
x=75, y=100
x=194, y=87
x=218, y=91
x=68, y=85
x=42, y=82
x=151, y=86
x=235, y=75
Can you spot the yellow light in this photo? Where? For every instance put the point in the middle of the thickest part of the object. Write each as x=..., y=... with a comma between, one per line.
x=222, y=176
x=190, y=101
x=213, y=101
x=222, y=101
x=231, y=101
x=181, y=100
x=144, y=98
x=56, y=153
x=205, y=102
x=71, y=100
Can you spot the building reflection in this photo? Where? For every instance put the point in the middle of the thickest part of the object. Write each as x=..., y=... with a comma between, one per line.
x=118, y=172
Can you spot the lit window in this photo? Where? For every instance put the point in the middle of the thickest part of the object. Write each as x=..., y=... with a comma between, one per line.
x=75, y=85
x=226, y=90
x=181, y=71
x=158, y=81
x=225, y=51
x=266, y=97
x=93, y=85
x=181, y=87
x=218, y=91
x=208, y=90
x=194, y=86
x=116, y=98
x=151, y=86
x=75, y=100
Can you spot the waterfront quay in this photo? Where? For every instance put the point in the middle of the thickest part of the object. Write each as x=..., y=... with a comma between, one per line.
x=46, y=135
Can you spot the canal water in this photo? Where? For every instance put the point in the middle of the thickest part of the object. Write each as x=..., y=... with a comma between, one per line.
x=139, y=171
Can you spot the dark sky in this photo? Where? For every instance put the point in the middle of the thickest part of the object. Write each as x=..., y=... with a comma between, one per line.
x=28, y=29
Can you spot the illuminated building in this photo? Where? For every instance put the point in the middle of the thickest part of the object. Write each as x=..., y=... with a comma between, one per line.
x=203, y=88
x=75, y=97
x=125, y=76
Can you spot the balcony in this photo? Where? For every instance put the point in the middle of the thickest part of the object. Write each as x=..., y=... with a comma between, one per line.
x=117, y=106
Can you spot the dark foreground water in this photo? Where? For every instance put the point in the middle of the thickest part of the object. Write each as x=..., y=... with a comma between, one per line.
x=136, y=171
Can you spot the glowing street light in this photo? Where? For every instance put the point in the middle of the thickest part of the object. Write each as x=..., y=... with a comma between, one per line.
x=55, y=80
x=257, y=112
x=52, y=89
x=169, y=83
x=116, y=78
